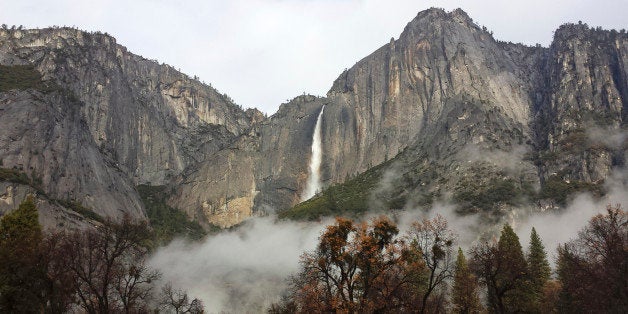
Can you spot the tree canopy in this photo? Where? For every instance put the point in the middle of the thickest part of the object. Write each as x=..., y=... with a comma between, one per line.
x=22, y=276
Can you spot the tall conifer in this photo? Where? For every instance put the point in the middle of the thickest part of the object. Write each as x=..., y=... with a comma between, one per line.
x=22, y=277
x=465, y=289
x=539, y=269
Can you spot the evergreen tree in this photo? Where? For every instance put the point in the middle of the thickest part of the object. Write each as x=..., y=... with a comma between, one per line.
x=22, y=275
x=21, y=224
x=539, y=269
x=465, y=289
x=515, y=271
x=503, y=269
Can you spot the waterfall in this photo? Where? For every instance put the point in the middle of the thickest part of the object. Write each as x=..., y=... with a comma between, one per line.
x=314, y=172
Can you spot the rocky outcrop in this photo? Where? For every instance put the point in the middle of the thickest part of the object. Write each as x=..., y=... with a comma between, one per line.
x=441, y=62
x=138, y=112
x=262, y=171
x=45, y=136
x=52, y=215
x=583, y=124
x=484, y=124
x=116, y=120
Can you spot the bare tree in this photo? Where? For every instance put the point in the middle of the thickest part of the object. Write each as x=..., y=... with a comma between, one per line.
x=433, y=241
x=177, y=301
x=133, y=285
x=108, y=268
x=593, y=268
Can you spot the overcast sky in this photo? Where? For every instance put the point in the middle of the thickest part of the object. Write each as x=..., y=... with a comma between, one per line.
x=264, y=52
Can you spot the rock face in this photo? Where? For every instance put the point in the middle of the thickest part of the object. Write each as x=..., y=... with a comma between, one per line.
x=462, y=117
x=263, y=170
x=453, y=113
x=584, y=117
x=45, y=136
x=51, y=215
x=117, y=120
x=441, y=66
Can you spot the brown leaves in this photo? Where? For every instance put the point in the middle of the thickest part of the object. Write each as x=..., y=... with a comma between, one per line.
x=364, y=267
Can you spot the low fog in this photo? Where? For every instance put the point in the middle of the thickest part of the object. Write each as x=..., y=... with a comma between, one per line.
x=246, y=269
x=242, y=270
x=557, y=228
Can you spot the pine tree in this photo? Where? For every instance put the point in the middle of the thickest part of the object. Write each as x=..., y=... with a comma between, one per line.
x=22, y=277
x=537, y=260
x=465, y=289
x=503, y=269
x=513, y=278
x=539, y=269
x=21, y=224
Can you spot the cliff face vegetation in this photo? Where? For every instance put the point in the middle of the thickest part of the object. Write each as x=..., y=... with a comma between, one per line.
x=443, y=112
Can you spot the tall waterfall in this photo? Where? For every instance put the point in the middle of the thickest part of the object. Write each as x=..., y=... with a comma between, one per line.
x=314, y=173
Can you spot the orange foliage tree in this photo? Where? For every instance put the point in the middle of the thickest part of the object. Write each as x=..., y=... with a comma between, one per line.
x=366, y=268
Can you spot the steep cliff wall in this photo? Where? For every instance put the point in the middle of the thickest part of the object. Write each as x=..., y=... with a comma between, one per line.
x=446, y=111
x=487, y=125
x=262, y=171
x=401, y=90
x=583, y=124
x=115, y=120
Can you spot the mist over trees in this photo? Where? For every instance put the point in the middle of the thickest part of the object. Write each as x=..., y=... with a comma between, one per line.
x=357, y=267
x=370, y=268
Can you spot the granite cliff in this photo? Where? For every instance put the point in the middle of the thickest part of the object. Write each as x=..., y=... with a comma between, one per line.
x=113, y=120
x=443, y=112
x=451, y=114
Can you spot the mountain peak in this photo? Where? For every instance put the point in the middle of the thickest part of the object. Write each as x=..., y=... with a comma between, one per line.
x=439, y=13
x=427, y=19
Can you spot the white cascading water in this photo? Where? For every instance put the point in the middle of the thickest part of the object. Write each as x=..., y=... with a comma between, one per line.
x=314, y=173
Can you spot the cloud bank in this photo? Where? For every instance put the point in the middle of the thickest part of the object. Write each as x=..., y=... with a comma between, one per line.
x=242, y=270
x=247, y=269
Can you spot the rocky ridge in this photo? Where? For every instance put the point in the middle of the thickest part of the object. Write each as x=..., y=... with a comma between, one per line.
x=447, y=111
x=496, y=125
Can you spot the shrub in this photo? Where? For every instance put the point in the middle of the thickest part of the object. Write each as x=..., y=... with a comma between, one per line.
x=23, y=77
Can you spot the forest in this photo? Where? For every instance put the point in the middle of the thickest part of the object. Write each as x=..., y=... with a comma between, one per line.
x=370, y=268
x=357, y=267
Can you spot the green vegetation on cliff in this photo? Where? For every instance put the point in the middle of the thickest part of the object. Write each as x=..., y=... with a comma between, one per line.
x=77, y=207
x=15, y=176
x=19, y=177
x=479, y=190
x=23, y=77
x=349, y=198
x=484, y=189
x=167, y=222
x=560, y=190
